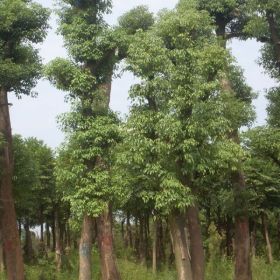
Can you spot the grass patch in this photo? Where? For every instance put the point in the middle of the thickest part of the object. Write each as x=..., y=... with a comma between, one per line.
x=220, y=269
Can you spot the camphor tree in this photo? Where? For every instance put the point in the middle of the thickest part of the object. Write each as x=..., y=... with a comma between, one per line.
x=230, y=18
x=22, y=24
x=177, y=120
x=84, y=164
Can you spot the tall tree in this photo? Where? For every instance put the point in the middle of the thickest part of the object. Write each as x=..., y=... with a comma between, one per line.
x=170, y=134
x=95, y=48
x=23, y=23
x=230, y=18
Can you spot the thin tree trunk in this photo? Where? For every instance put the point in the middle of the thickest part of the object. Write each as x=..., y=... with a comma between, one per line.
x=128, y=233
x=85, y=249
x=179, y=240
x=109, y=269
x=267, y=239
x=42, y=233
x=53, y=238
x=68, y=236
x=11, y=242
x=146, y=238
x=58, y=245
x=48, y=236
x=19, y=230
x=123, y=233
x=28, y=248
x=137, y=239
x=160, y=243
x=196, y=243
x=253, y=239
x=141, y=240
x=228, y=237
x=155, y=243
x=2, y=267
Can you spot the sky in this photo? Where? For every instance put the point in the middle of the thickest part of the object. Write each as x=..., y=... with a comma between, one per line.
x=37, y=117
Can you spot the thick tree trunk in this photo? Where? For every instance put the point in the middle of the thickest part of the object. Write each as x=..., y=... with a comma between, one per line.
x=85, y=249
x=109, y=269
x=11, y=242
x=242, y=235
x=196, y=243
x=58, y=243
x=267, y=239
x=180, y=247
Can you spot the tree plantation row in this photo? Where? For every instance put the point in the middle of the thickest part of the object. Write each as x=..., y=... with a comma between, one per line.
x=185, y=187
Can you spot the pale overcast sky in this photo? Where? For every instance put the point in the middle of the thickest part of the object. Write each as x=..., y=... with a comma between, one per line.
x=37, y=116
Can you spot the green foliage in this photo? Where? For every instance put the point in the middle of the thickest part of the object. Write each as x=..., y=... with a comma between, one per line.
x=83, y=168
x=34, y=186
x=23, y=23
x=263, y=168
x=230, y=15
x=264, y=25
x=179, y=121
x=273, y=107
x=135, y=19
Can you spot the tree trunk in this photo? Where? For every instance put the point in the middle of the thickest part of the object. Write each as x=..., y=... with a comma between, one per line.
x=48, y=236
x=267, y=239
x=109, y=269
x=242, y=235
x=42, y=233
x=274, y=35
x=85, y=249
x=128, y=233
x=146, y=238
x=241, y=226
x=28, y=248
x=160, y=244
x=229, y=236
x=137, y=238
x=180, y=247
x=253, y=239
x=58, y=245
x=142, y=253
x=2, y=267
x=53, y=238
x=19, y=230
x=155, y=243
x=196, y=243
x=11, y=242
